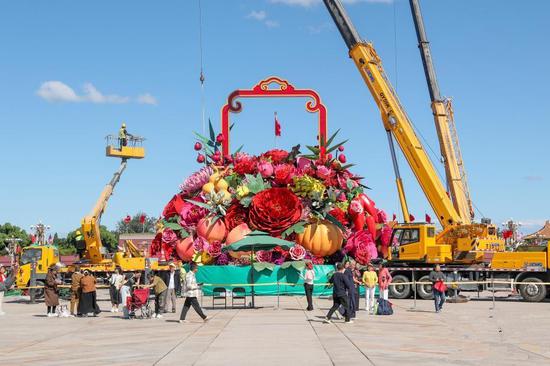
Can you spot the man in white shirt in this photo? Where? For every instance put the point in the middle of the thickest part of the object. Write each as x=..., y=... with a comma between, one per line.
x=172, y=281
x=192, y=291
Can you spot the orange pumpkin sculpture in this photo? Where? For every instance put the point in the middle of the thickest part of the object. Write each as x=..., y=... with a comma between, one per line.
x=321, y=238
x=210, y=230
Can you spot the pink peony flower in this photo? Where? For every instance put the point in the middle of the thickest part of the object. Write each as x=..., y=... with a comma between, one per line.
x=356, y=239
x=200, y=244
x=382, y=218
x=265, y=168
x=195, y=181
x=190, y=214
x=323, y=172
x=385, y=235
x=303, y=163
x=297, y=252
x=169, y=236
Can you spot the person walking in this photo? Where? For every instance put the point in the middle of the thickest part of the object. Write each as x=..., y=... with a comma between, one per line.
x=438, y=287
x=6, y=283
x=357, y=282
x=75, y=289
x=384, y=280
x=172, y=280
x=51, y=296
x=348, y=272
x=115, y=283
x=341, y=286
x=370, y=279
x=309, y=278
x=191, y=293
x=159, y=288
x=88, y=299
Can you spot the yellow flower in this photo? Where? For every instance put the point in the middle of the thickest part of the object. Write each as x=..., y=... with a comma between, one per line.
x=242, y=191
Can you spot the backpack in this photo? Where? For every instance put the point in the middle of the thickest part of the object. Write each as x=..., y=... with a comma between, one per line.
x=384, y=307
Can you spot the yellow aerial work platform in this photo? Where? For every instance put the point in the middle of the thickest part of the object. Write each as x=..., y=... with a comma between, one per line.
x=132, y=150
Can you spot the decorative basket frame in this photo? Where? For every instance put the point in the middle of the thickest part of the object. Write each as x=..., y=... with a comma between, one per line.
x=283, y=89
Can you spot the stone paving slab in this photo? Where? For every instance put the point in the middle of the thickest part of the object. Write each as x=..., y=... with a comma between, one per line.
x=514, y=333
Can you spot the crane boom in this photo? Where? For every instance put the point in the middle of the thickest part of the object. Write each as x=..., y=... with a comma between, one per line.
x=444, y=123
x=91, y=222
x=394, y=117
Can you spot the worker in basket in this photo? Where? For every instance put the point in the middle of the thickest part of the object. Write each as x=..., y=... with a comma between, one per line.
x=123, y=136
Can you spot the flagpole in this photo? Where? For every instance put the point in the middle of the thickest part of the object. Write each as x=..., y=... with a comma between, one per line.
x=275, y=129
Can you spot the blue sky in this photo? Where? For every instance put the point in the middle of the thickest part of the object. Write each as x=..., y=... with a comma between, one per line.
x=138, y=61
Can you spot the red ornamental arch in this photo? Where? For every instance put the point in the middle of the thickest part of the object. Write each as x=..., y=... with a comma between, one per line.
x=282, y=88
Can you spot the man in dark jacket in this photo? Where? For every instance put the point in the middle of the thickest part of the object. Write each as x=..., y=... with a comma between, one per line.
x=341, y=285
x=439, y=296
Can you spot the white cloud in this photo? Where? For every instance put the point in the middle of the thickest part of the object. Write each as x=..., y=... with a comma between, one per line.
x=271, y=23
x=261, y=16
x=257, y=15
x=308, y=3
x=57, y=91
x=147, y=99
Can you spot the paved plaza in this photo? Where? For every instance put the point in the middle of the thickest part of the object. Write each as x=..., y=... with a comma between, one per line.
x=514, y=333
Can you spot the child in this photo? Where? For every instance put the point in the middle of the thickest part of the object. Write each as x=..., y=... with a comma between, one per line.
x=370, y=279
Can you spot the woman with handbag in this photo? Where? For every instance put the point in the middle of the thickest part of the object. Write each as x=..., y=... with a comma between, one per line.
x=438, y=287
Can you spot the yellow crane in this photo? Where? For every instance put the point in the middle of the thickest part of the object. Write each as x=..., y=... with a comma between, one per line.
x=468, y=250
x=442, y=108
x=460, y=240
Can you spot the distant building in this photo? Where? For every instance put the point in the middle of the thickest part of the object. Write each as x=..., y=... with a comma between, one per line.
x=141, y=240
x=540, y=237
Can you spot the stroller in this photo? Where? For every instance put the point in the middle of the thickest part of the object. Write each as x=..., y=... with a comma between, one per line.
x=139, y=301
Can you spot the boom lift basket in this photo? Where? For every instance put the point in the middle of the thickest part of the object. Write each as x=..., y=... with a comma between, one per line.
x=132, y=150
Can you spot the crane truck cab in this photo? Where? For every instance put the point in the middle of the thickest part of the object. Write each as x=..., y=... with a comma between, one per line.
x=41, y=256
x=416, y=242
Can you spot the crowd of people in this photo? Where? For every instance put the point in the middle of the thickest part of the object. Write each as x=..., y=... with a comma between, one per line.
x=166, y=286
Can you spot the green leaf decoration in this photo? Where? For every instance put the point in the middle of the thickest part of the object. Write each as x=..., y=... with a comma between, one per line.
x=332, y=148
x=200, y=204
x=173, y=226
x=298, y=265
x=239, y=149
x=333, y=220
x=297, y=228
x=245, y=201
x=260, y=266
x=231, y=127
x=285, y=265
x=349, y=184
x=313, y=149
x=310, y=156
x=256, y=183
x=347, y=166
x=211, y=130
x=329, y=141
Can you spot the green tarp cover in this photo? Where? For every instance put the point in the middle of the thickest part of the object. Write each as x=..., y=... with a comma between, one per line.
x=237, y=276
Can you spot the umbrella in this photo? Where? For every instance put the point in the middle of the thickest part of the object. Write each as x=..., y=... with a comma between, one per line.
x=257, y=240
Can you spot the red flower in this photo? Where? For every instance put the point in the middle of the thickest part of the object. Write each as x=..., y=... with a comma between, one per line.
x=173, y=207
x=190, y=214
x=297, y=252
x=283, y=174
x=274, y=210
x=264, y=256
x=277, y=156
x=235, y=215
x=356, y=240
x=339, y=215
x=317, y=260
x=245, y=165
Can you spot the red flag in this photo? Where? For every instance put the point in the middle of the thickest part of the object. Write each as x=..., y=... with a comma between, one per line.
x=394, y=217
x=277, y=126
x=50, y=239
x=428, y=219
x=33, y=238
x=142, y=219
x=507, y=234
x=411, y=218
x=127, y=219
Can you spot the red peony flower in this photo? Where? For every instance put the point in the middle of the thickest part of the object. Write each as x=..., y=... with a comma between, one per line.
x=156, y=246
x=169, y=236
x=235, y=215
x=214, y=249
x=245, y=164
x=274, y=210
x=339, y=215
x=317, y=260
x=283, y=174
x=277, y=156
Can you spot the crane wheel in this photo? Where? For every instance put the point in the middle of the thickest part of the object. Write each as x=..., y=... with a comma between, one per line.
x=532, y=292
x=424, y=291
x=400, y=289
